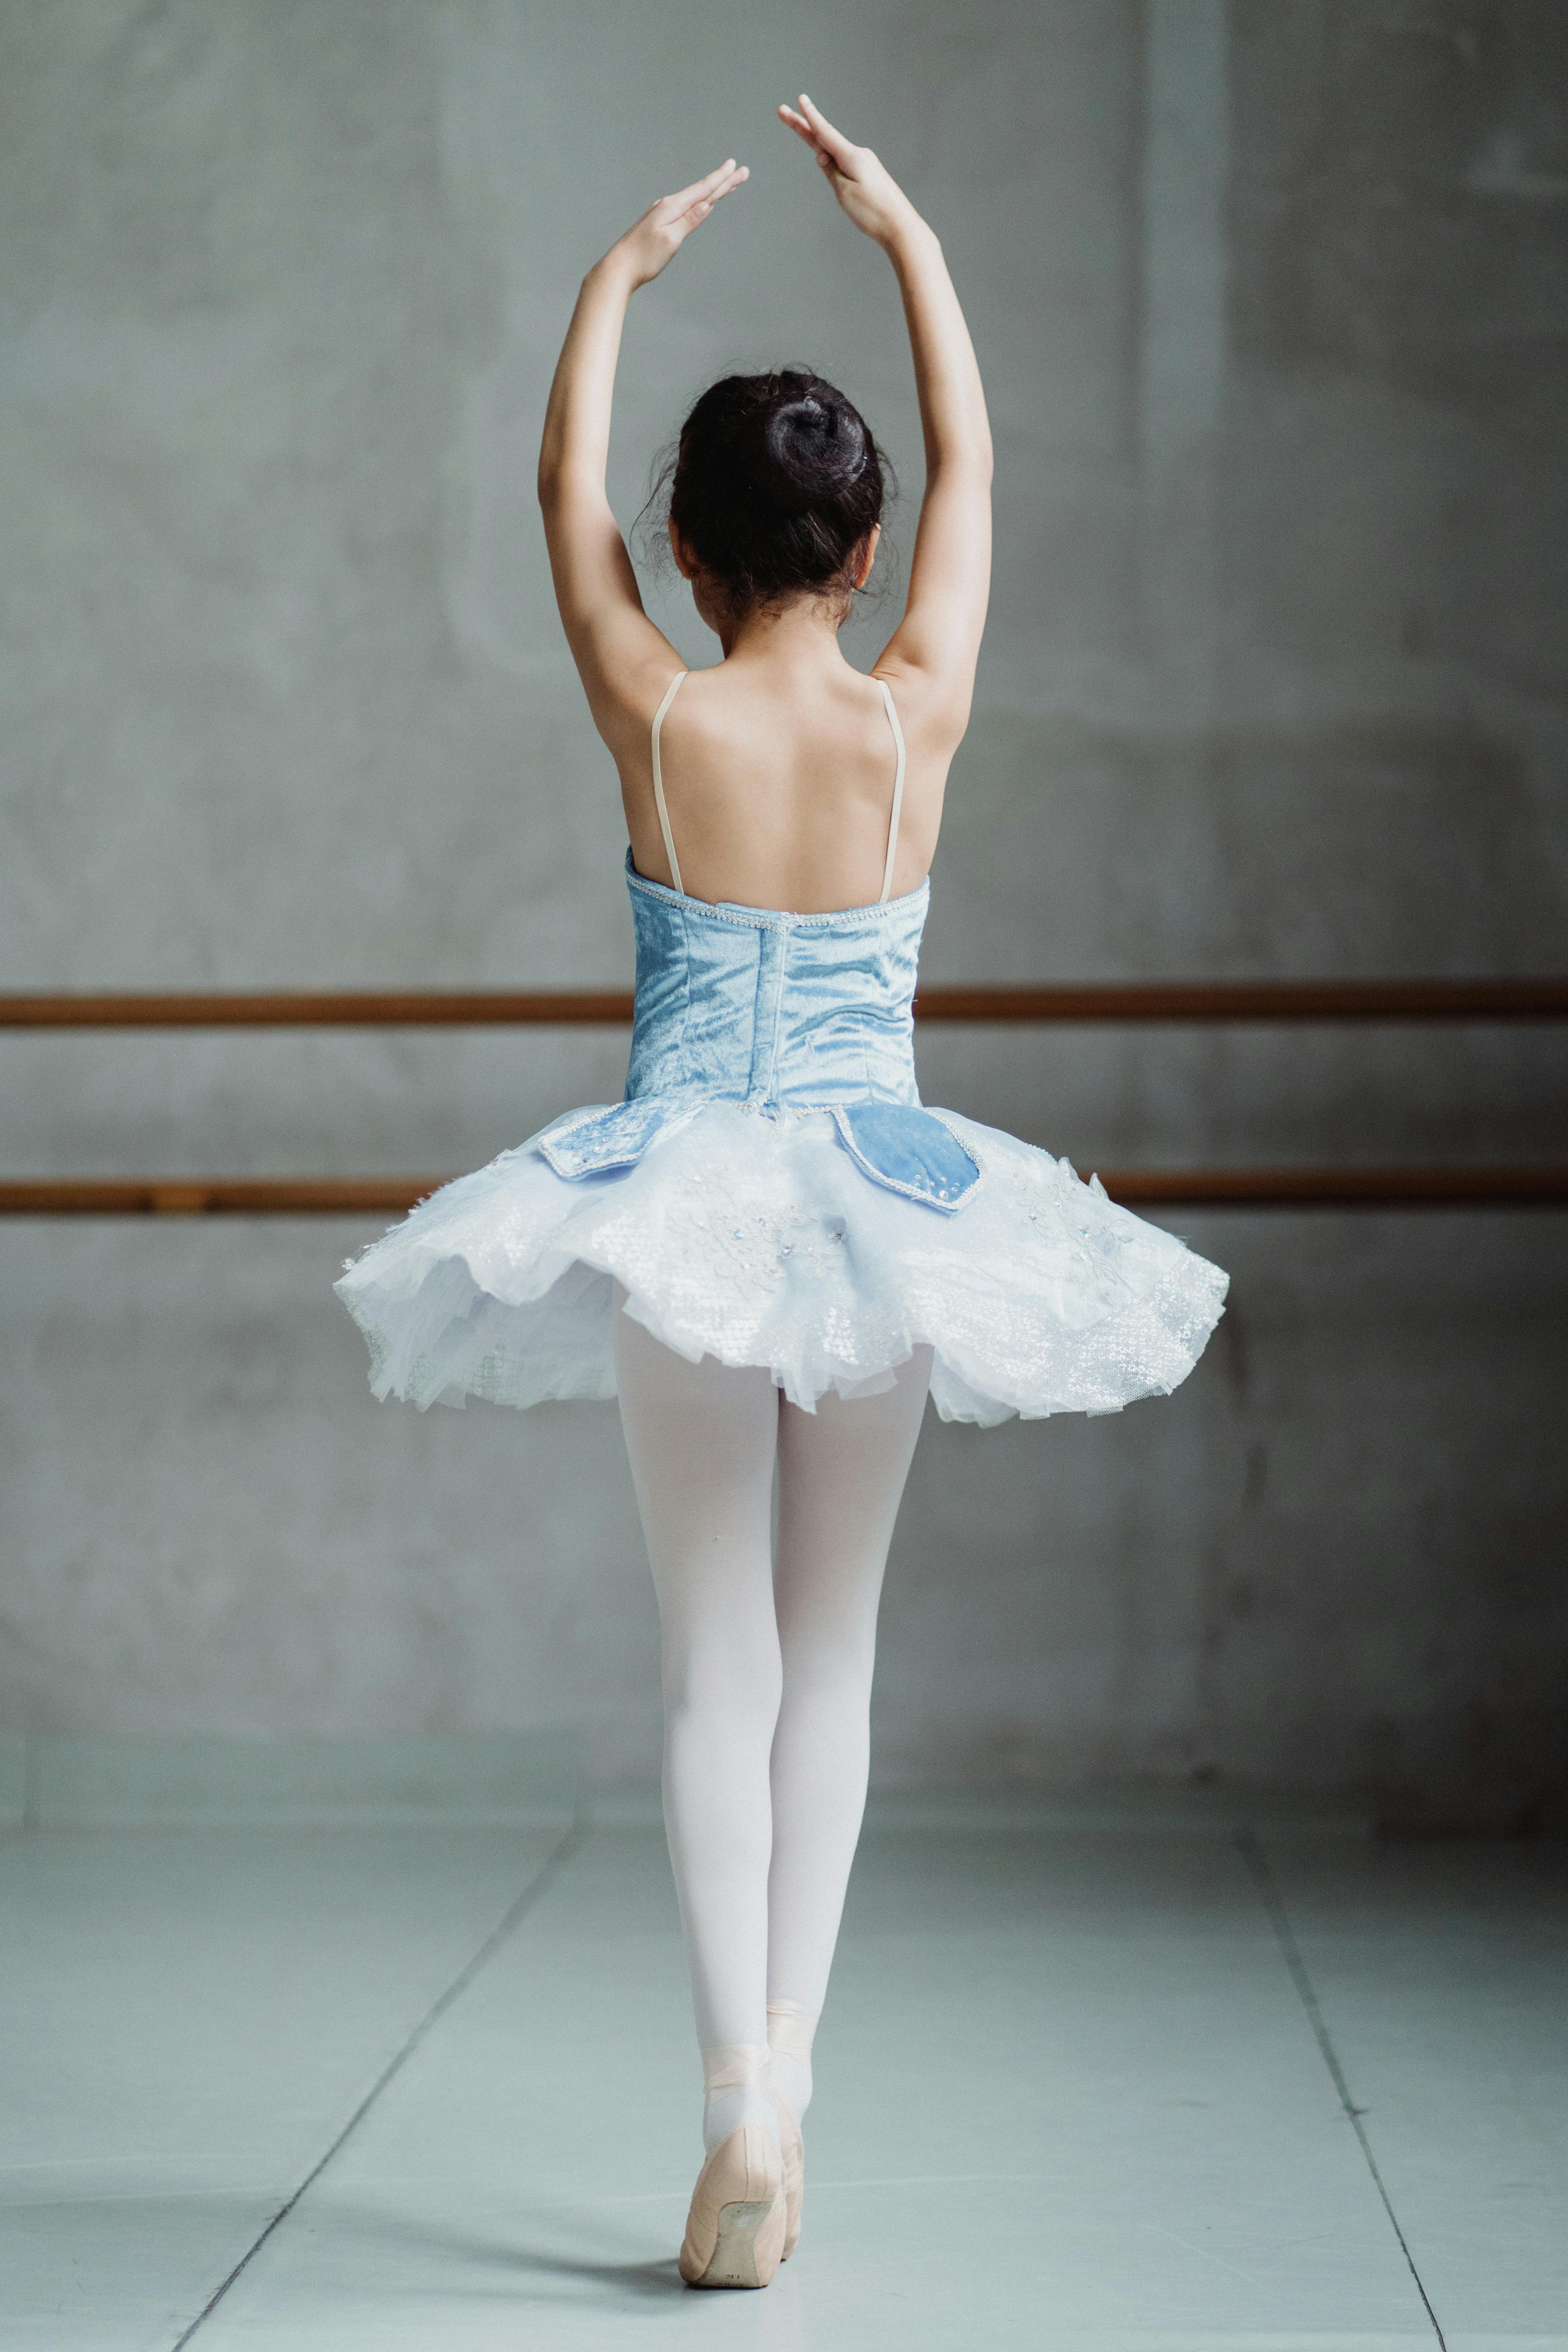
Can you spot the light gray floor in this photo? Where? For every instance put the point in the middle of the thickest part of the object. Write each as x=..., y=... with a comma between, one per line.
x=1077, y=2089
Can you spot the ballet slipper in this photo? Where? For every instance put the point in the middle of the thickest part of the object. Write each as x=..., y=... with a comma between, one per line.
x=735, y=2230
x=793, y=2148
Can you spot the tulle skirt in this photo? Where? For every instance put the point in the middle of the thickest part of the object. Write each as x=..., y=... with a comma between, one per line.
x=755, y=1238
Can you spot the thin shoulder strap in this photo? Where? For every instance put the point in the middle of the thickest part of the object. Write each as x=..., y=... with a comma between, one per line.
x=898, y=792
x=671, y=691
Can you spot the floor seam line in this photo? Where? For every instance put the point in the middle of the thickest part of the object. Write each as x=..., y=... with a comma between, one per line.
x=510, y=1919
x=1261, y=1869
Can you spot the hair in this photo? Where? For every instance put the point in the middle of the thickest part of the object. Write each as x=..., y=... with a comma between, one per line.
x=775, y=485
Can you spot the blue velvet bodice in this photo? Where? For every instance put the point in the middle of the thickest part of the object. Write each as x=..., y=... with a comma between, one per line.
x=785, y=1011
x=780, y=1013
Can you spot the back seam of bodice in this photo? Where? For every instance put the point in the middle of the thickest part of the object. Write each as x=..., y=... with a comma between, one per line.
x=759, y=1006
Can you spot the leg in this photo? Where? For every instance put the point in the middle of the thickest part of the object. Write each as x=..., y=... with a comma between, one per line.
x=841, y=1475
x=702, y=1439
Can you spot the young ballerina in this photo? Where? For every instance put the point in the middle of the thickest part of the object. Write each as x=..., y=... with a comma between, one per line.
x=770, y=1250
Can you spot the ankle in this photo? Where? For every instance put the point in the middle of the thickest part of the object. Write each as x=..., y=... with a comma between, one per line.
x=735, y=2091
x=791, y=2028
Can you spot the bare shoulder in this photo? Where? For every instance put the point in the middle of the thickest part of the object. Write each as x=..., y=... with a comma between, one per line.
x=625, y=701
x=932, y=705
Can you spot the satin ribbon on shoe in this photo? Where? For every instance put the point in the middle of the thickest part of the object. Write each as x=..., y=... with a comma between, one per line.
x=791, y=2026
x=730, y=2066
x=735, y=2089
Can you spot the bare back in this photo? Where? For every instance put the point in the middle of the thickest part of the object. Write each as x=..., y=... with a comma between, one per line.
x=779, y=763
x=779, y=788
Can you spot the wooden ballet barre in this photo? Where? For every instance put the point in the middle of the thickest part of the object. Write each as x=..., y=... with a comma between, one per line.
x=1169, y=1188
x=1128, y=1002
x=545, y=1008
x=1257, y=1000
x=196, y=1196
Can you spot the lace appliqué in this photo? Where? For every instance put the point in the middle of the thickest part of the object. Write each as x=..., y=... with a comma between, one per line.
x=761, y=1247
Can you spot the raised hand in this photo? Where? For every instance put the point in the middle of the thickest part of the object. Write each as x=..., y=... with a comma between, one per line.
x=652, y=243
x=865, y=188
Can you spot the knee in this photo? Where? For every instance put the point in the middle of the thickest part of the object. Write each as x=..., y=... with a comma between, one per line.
x=711, y=1682
x=830, y=1672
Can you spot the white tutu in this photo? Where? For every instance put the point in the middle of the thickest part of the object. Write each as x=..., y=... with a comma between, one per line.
x=755, y=1238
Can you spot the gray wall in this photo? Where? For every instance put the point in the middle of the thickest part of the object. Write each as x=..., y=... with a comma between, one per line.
x=1271, y=302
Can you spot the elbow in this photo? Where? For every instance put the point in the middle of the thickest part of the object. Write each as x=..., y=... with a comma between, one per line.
x=561, y=486
x=964, y=452
x=979, y=453
x=969, y=465
x=550, y=481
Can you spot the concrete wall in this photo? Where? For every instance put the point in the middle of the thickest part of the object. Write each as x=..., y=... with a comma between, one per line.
x=1271, y=301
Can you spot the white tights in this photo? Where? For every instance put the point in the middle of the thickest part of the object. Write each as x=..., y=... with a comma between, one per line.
x=767, y=1673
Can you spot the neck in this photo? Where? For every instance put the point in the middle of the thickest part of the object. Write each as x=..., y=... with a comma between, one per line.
x=802, y=635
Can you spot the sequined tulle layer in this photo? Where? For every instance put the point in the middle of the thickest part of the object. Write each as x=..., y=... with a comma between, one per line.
x=757, y=1239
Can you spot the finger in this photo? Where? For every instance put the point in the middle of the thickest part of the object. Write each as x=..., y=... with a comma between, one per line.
x=802, y=129
x=838, y=146
x=684, y=197
x=715, y=192
x=695, y=214
x=803, y=132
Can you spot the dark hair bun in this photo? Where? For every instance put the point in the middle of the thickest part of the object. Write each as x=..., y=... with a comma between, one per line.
x=776, y=486
x=810, y=450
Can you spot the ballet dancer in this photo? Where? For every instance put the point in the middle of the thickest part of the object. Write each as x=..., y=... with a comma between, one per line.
x=771, y=1252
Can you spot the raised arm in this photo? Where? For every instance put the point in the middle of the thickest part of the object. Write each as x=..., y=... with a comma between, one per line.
x=620, y=655
x=950, y=574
